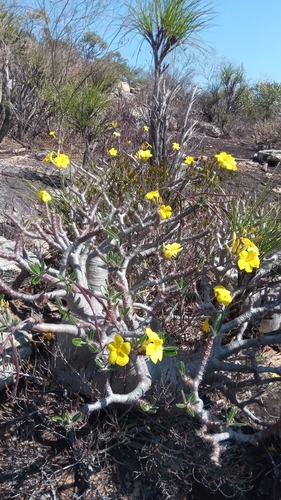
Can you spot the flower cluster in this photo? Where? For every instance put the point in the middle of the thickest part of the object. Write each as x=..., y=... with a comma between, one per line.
x=171, y=250
x=44, y=196
x=165, y=211
x=59, y=159
x=222, y=295
x=226, y=161
x=153, y=195
x=143, y=156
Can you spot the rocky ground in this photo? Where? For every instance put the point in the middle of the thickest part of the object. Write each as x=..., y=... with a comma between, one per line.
x=117, y=455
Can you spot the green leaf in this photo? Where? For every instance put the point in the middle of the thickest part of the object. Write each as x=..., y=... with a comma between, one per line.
x=78, y=342
x=180, y=405
x=190, y=412
x=35, y=268
x=99, y=364
x=73, y=320
x=182, y=368
x=93, y=348
x=152, y=410
x=56, y=419
x=170, y=354
x=231, y=414
x=66, y=416
x=112, y=234
x=117, y=296
x=126, y=311
x=162, y=336
x=91, y=334
x=218, y=322
x=58, y=301
x=143, y=338
x=36, y=280
x=68, y=288
x=73, y=275
x=76, y=417
x=143, y=407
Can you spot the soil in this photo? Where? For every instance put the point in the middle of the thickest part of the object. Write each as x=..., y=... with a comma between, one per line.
x=119, y=455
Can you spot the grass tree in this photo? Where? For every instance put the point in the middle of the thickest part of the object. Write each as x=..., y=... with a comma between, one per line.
x=166, y=25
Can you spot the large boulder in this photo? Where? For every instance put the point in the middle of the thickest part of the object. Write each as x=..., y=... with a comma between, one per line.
x=270, y=156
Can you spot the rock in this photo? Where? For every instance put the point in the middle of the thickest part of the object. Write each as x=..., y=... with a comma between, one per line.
x=270, y=156
x=123, y=87
x=209, y=129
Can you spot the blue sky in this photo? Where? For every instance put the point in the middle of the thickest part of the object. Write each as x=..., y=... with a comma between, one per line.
x=243, y=32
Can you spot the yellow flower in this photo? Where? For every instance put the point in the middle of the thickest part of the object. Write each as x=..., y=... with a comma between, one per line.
x=189, y=160
x=153, y=195
x=61, y=161
x=145, y=128
x=112, y=152
x=49, y=157
x=52, y=133
x=171, y=250
x=114, y=123
x=274, y=375
x=165, y=211
x=153, y=346
x=143, y=156
x=175, y=146
x=222, y=295
x=226, y=161
x=118, y=351
x=129, y=142
x=44, y=196
x=248, y=256
x=206, y=326
x=116, y=134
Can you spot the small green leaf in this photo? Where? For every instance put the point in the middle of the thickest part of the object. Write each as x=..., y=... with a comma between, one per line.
x=143, y=407
x=73, y=320
x=68, y=288
x=218, y=322
x=180, y=405
x=182, y=368
x=56, y=419
x=76, y=417
x=78, y=342
x=58, y=301
x=112, y=234
x=143, y=338
x=36, y=280
x=91, y=334
x=190, y=412
x=117, y=296
x=35, y=268
x=73, y=275
x=162, y=336
x=66, y=416
x=99, y=364
x=170, y=351
x=152, y=410
x=93, y=348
